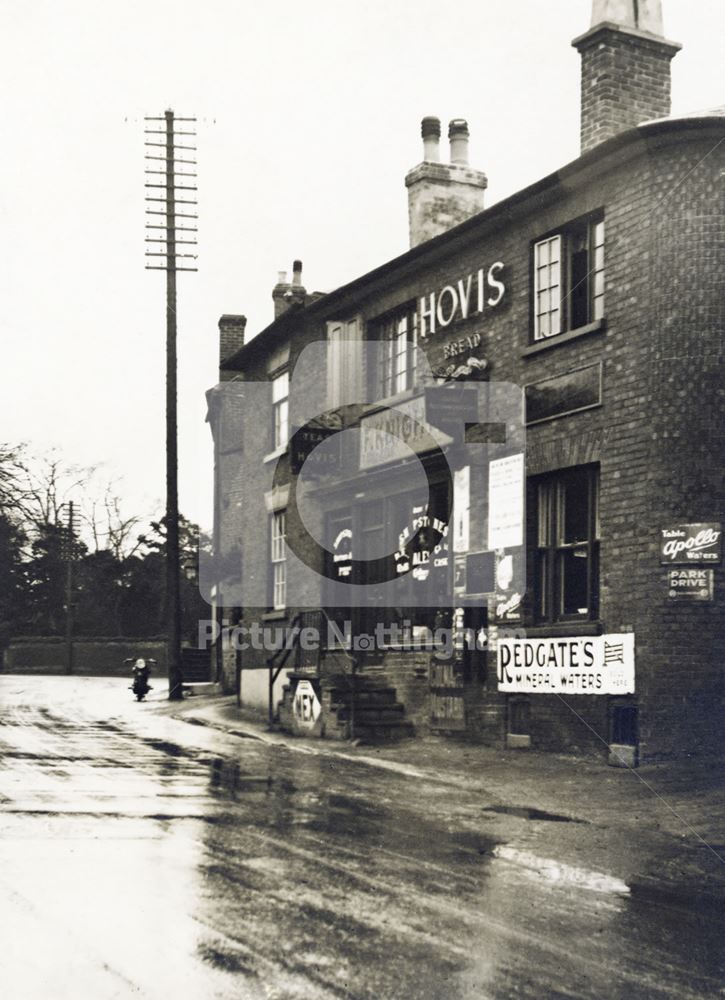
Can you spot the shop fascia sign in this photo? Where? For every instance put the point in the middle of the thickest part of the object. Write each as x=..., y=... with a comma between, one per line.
x=467, y=296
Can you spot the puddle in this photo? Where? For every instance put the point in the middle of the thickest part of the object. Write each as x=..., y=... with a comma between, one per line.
x=524, y=812
x=556, y=872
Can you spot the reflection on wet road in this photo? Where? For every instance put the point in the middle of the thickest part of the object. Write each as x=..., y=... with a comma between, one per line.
x=143, y=857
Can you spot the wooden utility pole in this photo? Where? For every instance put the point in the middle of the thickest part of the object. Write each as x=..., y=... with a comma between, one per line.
x=170, y=226
x=69, y=553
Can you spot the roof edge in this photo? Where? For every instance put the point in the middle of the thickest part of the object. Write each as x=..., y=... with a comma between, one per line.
x=616, y=144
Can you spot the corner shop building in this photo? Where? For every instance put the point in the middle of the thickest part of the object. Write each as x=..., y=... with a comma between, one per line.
x=599, y=291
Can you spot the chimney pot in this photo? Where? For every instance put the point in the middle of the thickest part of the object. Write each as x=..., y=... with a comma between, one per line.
x=458, y=136
x=430, y=129
x=297, y=273
x=442, y=195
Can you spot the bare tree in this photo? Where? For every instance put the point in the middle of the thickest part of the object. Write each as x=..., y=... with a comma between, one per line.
x=109, y=527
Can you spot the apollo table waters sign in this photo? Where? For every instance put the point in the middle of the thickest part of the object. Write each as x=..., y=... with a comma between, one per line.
x=692, y=543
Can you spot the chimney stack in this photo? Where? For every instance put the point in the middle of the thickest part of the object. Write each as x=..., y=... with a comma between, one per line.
x=626, y=73
x=231, y=336
x=441, y=195
x=285, y=294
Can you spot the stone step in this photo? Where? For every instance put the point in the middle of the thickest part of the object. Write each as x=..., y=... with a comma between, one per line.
x=342, y=696
x=384, y=733
x=371, y=716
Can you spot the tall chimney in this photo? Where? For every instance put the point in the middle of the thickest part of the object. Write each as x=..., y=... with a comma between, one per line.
x=231, y=335
x=441, y=195
x=626, y=72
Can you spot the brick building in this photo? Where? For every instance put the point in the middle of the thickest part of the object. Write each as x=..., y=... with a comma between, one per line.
x=599, y=291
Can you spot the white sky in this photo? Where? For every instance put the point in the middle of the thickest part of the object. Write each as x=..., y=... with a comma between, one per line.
x=309, y=119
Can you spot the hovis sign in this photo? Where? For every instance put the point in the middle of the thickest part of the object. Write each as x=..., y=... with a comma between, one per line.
x=601, y=664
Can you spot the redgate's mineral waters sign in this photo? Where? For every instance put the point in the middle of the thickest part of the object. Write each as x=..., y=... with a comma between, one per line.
x=601, y=664
x=691, y=543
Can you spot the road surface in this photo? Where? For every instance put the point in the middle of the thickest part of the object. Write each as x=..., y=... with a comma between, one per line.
x=141, y=856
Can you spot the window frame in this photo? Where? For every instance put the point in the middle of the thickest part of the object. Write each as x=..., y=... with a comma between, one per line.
x=345, y=361
x=591, y=228
x=280, y=412
x=551, y=549
x=395, y=370
x=278, y=560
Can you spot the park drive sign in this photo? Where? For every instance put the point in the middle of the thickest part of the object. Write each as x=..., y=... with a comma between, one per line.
x=602, y=664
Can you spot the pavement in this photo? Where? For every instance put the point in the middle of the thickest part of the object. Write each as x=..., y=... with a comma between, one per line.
x=680, y=804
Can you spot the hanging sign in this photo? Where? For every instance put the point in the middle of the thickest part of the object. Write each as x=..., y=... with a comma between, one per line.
x=691, y=543
x=601, y=664
x=305, y=450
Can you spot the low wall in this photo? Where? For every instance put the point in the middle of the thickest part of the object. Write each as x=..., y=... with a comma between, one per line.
x=91, y=657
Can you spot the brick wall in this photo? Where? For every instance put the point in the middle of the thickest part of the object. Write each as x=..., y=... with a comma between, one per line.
x=625, y=80
x=657, y=437
x=97, y=657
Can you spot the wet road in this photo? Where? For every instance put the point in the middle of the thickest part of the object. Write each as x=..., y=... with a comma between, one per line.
x=141, y=856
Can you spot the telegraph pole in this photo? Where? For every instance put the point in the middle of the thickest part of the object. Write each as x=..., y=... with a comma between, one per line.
x=165, y=139
x=69, y=554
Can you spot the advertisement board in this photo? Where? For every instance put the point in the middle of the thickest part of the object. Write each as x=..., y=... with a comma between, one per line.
x=506, y=502
x=685, y=544
x=599, y=664
x=691, y=584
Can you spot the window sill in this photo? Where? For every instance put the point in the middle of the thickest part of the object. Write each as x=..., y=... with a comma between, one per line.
x=275, y=616
x=564, y=338
x=274, y=455
x=563, y=630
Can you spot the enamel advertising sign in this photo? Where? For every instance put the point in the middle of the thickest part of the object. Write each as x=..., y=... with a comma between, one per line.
x=600, y=664
x=692, y=543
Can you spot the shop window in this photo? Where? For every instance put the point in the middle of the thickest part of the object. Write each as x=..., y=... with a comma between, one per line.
x=395, y=359
x=566, y=553
x=624, y=725
x=569, y=279
x=278, y=560
x=280, y=410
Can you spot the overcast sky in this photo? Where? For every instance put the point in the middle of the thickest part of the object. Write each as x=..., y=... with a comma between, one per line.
x=309, y=117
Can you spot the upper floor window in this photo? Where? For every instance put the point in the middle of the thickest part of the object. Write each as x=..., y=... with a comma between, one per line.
x=569, y=279
x=344, y=361
x=396, y=336
x=566, y=554
x=280, y=410
x=278, y=559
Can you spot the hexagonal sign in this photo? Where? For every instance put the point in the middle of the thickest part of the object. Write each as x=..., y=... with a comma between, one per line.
x=306, y=705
